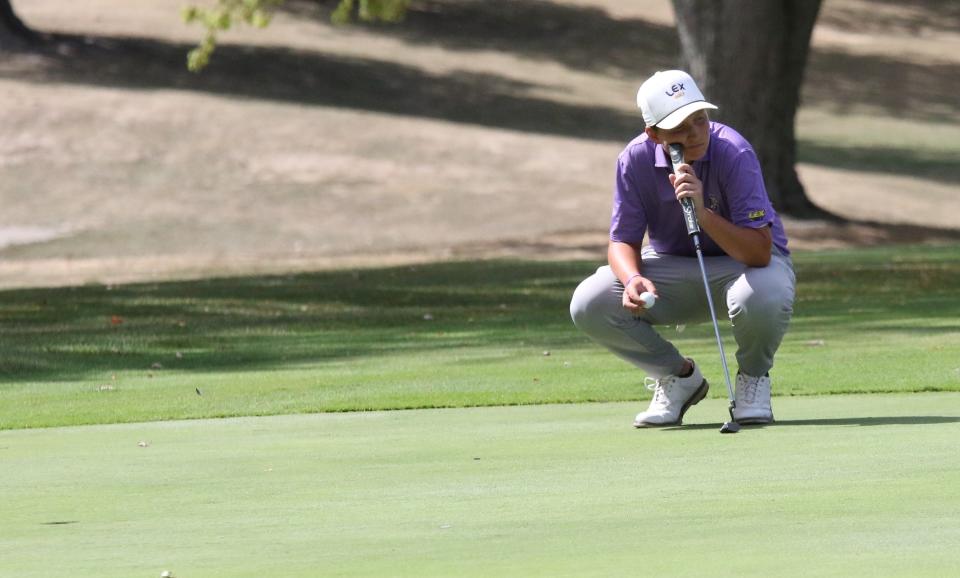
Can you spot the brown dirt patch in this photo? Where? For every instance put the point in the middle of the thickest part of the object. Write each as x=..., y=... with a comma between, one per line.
x=307, y=146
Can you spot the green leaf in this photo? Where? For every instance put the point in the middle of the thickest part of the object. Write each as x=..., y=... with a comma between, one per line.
x=342, y=14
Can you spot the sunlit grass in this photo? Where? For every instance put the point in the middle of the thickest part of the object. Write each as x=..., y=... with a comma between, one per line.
x=439, y=335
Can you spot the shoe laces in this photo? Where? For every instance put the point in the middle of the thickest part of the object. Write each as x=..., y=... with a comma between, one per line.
x=750, y=387
x=659, y=387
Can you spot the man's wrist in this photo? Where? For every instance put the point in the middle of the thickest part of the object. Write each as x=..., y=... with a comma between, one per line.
x=631, y=278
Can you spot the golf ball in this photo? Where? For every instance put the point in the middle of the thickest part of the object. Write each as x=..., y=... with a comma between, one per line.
x=648, y=299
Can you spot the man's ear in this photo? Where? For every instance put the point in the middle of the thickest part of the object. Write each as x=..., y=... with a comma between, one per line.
x=652, y=134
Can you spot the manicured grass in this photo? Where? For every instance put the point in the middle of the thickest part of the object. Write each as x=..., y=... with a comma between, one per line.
x=448, y=334
x=844, y=486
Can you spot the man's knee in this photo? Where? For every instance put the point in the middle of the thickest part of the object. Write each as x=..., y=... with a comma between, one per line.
x=583, y=305
x=578, y=307
x=770, y=301
x=593, y=304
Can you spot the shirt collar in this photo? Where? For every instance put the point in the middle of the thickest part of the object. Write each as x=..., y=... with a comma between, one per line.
x=660, y=157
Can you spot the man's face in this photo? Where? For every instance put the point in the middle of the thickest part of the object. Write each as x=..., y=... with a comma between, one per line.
x=693, y=133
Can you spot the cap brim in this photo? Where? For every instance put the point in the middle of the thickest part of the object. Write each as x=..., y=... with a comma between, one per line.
x=676, y=117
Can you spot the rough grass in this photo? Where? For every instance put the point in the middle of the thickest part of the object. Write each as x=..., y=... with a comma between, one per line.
x=439, y=335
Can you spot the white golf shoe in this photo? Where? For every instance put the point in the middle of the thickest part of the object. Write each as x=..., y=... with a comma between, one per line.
x=753, y=400
x=672, y=397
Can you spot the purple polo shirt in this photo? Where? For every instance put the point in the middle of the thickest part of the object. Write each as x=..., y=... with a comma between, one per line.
x=644, y=201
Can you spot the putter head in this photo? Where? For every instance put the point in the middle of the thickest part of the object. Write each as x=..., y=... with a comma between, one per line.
x=730, y=427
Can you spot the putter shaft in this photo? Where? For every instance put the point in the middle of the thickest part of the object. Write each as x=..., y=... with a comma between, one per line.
x=716, y=326
x=693, y=229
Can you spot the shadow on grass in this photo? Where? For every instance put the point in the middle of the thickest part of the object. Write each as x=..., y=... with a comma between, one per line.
x=872, y=421
x=235, y=324
x=842, y=421
x=258, y=323
x=255, y=323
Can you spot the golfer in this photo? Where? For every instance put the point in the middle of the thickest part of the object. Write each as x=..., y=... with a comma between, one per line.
x=744, y=245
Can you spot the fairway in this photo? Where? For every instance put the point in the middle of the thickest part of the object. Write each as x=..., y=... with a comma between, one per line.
x=452, y=334
x=307, y=314
x=841, y=486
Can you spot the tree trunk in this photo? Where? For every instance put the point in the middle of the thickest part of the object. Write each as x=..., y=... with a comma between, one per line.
x=748, y=57
x=13, y=32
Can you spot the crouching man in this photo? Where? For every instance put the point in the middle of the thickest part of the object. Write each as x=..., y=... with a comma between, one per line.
x=744, y=245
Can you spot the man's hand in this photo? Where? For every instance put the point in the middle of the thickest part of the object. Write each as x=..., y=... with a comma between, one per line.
x=687, y=185
x=626, y=264
x=631, y=294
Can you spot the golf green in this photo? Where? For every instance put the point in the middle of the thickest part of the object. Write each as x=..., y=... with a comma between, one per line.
x=840, y=486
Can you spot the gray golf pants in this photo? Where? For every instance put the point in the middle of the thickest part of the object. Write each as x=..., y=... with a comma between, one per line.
x=759, y=303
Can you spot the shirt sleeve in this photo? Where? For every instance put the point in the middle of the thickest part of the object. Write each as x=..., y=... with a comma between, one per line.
x=747, y=195
x=629, y=221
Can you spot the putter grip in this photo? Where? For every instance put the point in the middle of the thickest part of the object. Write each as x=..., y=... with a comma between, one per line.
x=689, y=211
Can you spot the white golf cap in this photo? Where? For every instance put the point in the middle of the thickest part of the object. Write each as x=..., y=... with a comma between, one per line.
x=668, y=97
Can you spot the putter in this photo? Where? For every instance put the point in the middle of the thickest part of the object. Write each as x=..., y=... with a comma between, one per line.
x=693, y=229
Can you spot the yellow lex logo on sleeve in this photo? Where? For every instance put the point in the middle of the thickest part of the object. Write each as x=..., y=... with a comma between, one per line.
x=754, y=215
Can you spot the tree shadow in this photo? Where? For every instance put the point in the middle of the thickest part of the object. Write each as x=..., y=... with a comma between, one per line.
x=859, y=232
x=901, y=88
x=252, y=323
x=914, y=18
x=578, y=37
x=312, y=78
x=263, y=322
x=933, y=165
x=589, y=39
